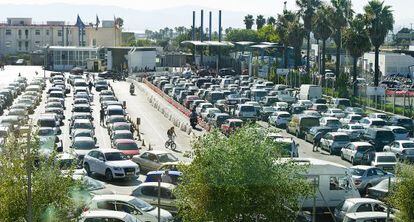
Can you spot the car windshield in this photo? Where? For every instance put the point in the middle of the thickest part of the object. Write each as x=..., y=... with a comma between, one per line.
x=357, y=172
x=341, y=138
x=400, y=131
x=385, y=135
x=47, y=123
x=247, y=109
x=333, y=122
x=407, y=145
x=84, y=145
x=387, y=159
x=336, y=111
x=82, y=126
x=46, y=132
x=127, y=146
x=284, y=115
x=405, y=121
x=269, y=109
x=81, y=109
x=117, y=120
x=115, y=156
x=357, y=127
x=123, y=136
x=141, y=204
x=93, y=184
x=310, y=122
x=167, y=157
x=115, y=112
x=363, y=148
x=357, y=110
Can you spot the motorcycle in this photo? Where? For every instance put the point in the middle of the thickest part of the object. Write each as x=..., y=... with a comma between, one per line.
x=131, y=90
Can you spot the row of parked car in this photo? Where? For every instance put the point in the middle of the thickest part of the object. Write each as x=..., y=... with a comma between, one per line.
x=374, y=142
x=112, y=160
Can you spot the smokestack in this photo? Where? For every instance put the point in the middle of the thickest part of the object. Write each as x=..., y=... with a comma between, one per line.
x=209, y=27
x=193, y=28
x=219, y=26
x=202, y=26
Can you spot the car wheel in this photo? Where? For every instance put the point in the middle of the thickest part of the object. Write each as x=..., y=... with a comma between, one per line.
x=87, y=169
x=352, y=161
x=139, y=169
x=297, y=134
x=108, y=175
x=330, y=151
x=342, y=156
x=366, y=189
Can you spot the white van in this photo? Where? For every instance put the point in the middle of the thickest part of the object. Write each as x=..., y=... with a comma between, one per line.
x=309, y=92
x=334, y=183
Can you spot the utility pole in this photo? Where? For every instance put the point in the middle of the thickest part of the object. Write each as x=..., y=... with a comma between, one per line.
x=411, y=30
x=29, y=176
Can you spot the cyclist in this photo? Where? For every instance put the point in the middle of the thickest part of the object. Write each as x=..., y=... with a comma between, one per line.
x=171, y=134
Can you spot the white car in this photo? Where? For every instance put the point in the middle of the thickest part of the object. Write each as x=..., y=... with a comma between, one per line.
x=312, y=113
x=306, y=103
x=372, y=122
x=280, y=118
x=403, y=149
x=385, y=161
x=203, y=106
x=209, y=112
x=353, y=205
x=354, y=152
x=354, y=131
x=281, y=106
x=400, y=132
x=367, y=216
x=110, y=163
x=330, y=122
x=378, y=116
x=333, y=112
x=351, y=118
x=107, y=215
x=148, y=192
x=129, y=204
x=244, y=111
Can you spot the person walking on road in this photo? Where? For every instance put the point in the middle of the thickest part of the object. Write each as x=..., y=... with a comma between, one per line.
x=102, y=116
x=316, y=141
x=90, y=86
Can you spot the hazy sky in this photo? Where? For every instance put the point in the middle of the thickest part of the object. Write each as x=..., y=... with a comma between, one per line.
x=403, y=9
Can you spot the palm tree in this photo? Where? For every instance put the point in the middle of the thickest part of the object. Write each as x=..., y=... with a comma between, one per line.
x=307, y=10
x=379, y=21
x=282, y=28
x=322, y=26
x=249, y=21
x=271, y=20
x=260, y=21
x=356, y=41
x=296, y=33
x=340, y=18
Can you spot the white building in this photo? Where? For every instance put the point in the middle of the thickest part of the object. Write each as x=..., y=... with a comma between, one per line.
x=20, y=35
x=140, y=58
x=389, y=63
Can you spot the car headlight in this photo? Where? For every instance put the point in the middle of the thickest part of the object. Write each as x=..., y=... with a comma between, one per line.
x=117, y=168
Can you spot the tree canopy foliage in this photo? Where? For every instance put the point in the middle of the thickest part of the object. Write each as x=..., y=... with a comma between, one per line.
x=237, y=179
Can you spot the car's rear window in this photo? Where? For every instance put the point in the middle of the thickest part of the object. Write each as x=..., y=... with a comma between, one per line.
x=357, y=172
x=342, y=138
x=386, y=159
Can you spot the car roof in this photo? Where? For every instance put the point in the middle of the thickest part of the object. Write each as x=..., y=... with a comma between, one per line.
x=330, y=118
x=362, y=167
x=82, y=121
x=129, y=141
x=367, y=215
x=156, y=152
x=384, y=154
x=155, y=184
x=234, y=120
x=404, y=141
x=362, y=200
x=84, y=139
x=361, y=144
x=394, y=127
x=338, y=134
x=118, y=197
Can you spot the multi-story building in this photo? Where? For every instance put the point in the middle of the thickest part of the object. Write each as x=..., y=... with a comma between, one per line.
x=20, y=35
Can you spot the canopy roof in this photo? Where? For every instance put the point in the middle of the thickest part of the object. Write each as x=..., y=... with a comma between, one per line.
x=207, y=43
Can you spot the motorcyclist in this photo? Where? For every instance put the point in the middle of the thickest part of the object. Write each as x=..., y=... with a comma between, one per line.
x=131, y=88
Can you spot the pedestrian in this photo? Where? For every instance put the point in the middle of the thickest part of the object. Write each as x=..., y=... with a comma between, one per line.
x=166, y=178
x=90, y=86
x=316, y=141
x=102, y=116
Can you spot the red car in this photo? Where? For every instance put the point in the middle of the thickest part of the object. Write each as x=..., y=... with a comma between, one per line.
x=127, y=146
x=188, y=100
x=230, y=125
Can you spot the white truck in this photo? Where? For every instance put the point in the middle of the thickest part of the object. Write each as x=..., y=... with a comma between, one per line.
x=333, y=183
x=309, y=92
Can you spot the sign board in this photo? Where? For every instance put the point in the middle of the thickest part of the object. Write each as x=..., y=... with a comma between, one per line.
x=282, y=72
x=375, y=91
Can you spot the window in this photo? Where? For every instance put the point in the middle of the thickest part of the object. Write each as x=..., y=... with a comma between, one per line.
x=379, y=172
x=59, y=32
x=166, y=194
x=37, y=43
x=37, y=32
x=105, y=205
x=126, y=208
x=339, y=183
x=144, y=156
x=26, y=32
x=8, y=31
x=8, y=44
x=47, y=32
x=20, y=32
x=149, y=191
x=26, y=45
x=366, y=207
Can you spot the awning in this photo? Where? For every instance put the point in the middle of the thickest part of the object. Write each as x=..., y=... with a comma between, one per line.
x=208, y=43
x=196, y=43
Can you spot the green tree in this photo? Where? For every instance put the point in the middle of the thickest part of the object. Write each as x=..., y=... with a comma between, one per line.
x=282, y=28
x=51, y=189
x=249, y=21
x=403, y=192
x=236, y=179
x=268, y=34
x=356, y=41
x=322, y=27
x=260, y=21
x=236, y=35
x=296, y=33
x=307, y=10
x=340, y=18
x=379, y=21
x=271, y=20
x=120, y=22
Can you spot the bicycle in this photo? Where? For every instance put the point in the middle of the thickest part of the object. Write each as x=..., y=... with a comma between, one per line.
x=170, y=144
